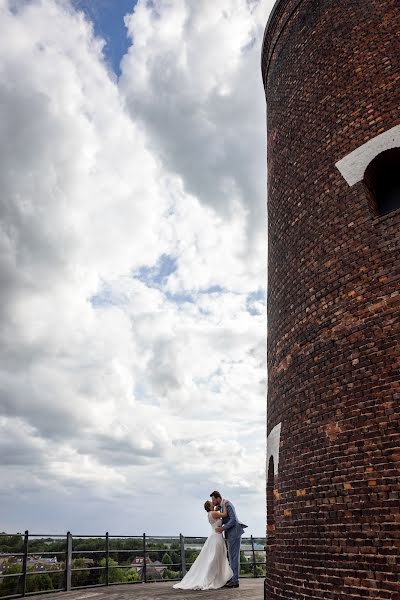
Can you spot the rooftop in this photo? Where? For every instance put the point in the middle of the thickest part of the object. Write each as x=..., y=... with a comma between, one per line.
x=250, y=589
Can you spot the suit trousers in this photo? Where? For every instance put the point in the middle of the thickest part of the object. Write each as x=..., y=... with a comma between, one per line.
x=234, y=556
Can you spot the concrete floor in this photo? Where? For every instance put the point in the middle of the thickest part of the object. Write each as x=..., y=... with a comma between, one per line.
x=250, y=589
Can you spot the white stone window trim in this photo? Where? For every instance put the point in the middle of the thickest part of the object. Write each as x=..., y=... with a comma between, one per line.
x=273, y=441
x=353, y=166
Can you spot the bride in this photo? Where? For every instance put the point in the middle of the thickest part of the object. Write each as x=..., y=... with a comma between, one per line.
x=211, y=569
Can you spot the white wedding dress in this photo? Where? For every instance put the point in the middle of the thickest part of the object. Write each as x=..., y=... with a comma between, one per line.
x=211, y=569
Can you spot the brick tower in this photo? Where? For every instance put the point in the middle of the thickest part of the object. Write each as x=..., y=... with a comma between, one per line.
x=331, y=71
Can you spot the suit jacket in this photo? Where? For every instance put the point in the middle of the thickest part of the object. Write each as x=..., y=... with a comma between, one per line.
x=232, y=527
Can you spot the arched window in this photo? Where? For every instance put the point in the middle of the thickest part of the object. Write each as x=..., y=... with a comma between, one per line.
x=382, y=178
x=270, y=501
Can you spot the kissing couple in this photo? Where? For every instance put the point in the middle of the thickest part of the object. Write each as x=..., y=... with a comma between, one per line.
x=215, y=567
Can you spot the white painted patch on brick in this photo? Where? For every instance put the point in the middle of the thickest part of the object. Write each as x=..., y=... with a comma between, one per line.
x=273, y=441
x=353, y=166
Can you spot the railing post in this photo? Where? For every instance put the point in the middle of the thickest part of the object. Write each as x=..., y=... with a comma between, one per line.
x=254, y=557
x=24, y=564
x=265, y=578
x=107, y=559
x=68, y=563
x=144, y=570
x=183, y=555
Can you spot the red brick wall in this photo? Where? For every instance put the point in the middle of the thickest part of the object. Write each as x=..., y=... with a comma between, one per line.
x=332, y=77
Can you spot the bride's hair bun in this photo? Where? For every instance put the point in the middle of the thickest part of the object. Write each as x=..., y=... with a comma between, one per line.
x=207, y=505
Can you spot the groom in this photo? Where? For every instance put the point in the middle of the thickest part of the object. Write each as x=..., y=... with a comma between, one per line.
x=233, y=529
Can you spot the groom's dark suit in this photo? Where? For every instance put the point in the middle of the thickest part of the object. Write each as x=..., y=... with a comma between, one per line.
x=233, y=529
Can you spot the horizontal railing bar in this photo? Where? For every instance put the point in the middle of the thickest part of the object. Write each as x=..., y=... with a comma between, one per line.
x=125, y=582
x=88, y=568
x=137, y=550
x=139, y=537
x=88, y=552
x=113, y=567
x=10, y=596
x=149, y=566
x=47, y=536
x=127, y=537
x=160, y=580
x=160, y=550
x=126, y=566
x=103, y=535
x=123, y=566
x=81, y=587
x=59, y=571
x=172, y=538
x=44, y=592
x=49, y=553
x=86, y=536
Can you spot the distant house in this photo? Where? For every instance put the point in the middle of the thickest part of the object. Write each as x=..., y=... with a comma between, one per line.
x=154, y=569
x=157, y=566
x=38, y=563
x=3, y=566
x=137, y=564
x=44, y=560
x=50, y=560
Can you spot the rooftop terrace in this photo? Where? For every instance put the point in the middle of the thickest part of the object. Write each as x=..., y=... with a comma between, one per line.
x=250, y=589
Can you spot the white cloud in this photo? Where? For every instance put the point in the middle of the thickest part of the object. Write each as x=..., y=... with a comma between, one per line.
x=132, y=254
x=192, y=76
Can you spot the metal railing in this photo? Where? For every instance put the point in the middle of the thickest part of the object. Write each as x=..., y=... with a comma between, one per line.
x=105, y=568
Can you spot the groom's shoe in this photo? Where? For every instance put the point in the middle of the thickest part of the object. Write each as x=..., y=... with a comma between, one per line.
x=231, y=584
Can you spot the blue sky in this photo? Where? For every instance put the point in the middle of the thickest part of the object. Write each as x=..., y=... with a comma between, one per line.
x=107, y=17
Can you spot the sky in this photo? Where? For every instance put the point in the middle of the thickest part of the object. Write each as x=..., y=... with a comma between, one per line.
x=133, y=257
x=107, y=19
